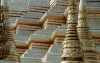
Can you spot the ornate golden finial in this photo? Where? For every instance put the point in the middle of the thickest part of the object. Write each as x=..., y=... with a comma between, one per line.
x=4, y=47
x=90, y=53
x=72, y=48
x=8, y=45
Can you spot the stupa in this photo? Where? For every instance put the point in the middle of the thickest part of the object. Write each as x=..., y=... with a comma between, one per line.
x=72, y=48
x=90, y=52
x=8, y=48
x=38, y=29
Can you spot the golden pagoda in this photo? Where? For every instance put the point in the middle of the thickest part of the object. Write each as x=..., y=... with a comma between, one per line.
x=46, y=31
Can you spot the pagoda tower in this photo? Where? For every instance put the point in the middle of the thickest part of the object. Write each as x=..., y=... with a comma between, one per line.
x=72, y=47
x=90, y=53
x=8, y=52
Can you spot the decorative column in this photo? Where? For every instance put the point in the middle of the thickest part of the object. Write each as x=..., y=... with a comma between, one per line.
x=4, y=47
x=90, y=53
x=12, y=55
x=72, y=48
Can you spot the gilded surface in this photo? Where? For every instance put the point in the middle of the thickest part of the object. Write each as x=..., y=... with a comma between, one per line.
x=72, y=47
x=71, y=43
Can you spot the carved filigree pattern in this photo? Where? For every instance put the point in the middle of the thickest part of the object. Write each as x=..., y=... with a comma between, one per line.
x=72, y=43
x=87, y=42
x=72, y=52
x=83, y=23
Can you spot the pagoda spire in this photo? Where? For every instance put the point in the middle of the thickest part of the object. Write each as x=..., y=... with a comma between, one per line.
x=9, y=42
x=90, y=53
x=72, y=48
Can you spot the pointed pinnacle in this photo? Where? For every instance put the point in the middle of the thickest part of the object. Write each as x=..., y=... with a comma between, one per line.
x=82, y=5
x=4, y=3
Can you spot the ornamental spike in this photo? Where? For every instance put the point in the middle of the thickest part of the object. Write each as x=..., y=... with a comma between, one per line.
x=4, y=3
x=72, y=48
x=82, y=5
x=90, y=53
x=7, y=44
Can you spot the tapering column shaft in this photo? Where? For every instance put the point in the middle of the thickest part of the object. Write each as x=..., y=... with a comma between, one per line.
x=72, y=48
x=85, y=37
x=13, y=55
